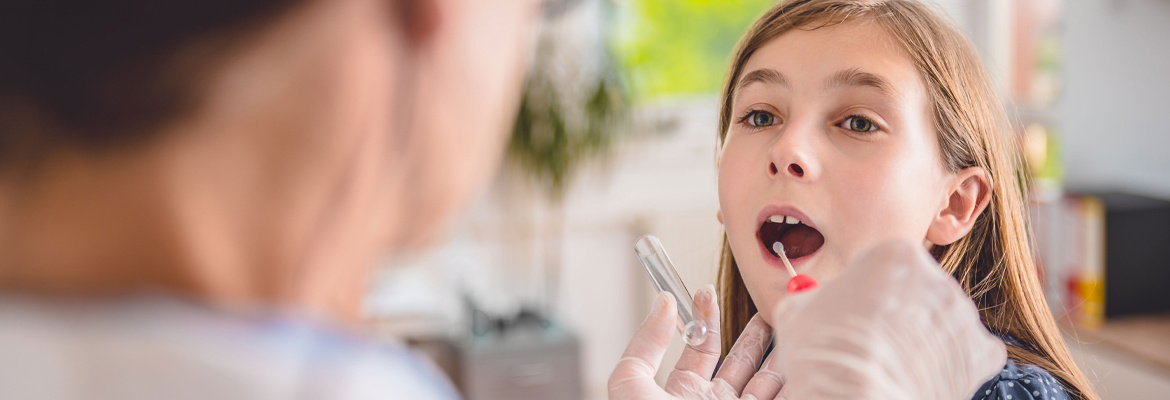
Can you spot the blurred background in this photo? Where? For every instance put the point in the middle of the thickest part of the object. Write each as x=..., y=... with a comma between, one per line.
x=537, y=292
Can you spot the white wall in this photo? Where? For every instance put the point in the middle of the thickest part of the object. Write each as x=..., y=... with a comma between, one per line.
x=662, y=183
x=1114, y=114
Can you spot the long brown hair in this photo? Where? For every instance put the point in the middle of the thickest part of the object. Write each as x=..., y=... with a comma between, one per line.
x=993, y=262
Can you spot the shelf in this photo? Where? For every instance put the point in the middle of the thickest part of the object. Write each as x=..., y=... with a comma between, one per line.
x=1144, y=338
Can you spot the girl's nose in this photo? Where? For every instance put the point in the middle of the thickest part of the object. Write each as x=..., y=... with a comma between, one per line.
x=792, y=154
x=794, y=169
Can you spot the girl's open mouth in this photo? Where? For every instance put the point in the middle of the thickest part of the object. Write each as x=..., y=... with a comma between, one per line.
x=799, y=239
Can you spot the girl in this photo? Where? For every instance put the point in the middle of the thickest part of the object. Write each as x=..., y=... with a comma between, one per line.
x=844, y=123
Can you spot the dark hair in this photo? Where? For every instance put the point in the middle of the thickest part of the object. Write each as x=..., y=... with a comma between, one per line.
x=101, y=73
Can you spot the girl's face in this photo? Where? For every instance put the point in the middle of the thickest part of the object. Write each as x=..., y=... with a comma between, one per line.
x=832, y=128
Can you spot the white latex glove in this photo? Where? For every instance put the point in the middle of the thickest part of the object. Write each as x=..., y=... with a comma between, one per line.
x=633, y=377
x=893, y=325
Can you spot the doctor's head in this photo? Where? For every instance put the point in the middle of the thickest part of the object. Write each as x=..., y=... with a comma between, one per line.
x=270, y=134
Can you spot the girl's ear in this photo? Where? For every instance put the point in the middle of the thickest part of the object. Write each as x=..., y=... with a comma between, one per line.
x=719, y=216
x=967, y=199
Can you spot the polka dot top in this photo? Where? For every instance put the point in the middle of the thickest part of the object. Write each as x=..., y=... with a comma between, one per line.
x=1021, y=382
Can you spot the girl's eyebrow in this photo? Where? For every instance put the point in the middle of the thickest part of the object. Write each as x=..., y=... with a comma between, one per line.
x=852, y=77
x=855, y=77
x=763, y=75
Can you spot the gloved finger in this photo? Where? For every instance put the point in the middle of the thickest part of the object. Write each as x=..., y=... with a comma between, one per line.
x=697, y=362
x=784, y=394
x=889, y=268
x=989, y=360
x=634, y=373
x=744, y=358
x=782, y=326
x=770, y=380
x=767, y=382
x=786, y=311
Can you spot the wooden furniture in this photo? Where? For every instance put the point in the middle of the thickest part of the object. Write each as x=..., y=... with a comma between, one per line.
x=1126, y=358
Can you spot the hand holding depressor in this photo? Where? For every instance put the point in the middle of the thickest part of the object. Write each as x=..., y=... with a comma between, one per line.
x=893, y=325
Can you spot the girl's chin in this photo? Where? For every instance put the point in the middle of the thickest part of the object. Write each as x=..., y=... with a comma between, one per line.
x=774, y=295
x=768, y=313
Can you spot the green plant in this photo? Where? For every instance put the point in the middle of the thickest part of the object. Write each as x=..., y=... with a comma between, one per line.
x=554, y=134
x=681, y=47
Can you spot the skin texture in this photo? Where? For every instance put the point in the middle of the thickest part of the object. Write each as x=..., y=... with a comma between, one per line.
x=857, y=188
x=343, y=132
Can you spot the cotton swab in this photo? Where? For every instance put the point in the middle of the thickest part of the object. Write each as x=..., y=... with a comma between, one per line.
x=799, y=282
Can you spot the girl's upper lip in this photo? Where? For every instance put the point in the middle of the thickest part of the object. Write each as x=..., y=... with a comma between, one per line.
x=784, y=209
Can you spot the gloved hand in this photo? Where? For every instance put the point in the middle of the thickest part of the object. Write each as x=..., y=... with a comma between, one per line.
x=893, y=325
x=633, y=377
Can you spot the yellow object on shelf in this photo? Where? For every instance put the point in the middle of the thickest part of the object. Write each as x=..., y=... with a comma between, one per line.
x=1087, y=286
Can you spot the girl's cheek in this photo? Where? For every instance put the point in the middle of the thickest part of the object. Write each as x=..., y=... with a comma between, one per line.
x=882, y=204
x=862, y=209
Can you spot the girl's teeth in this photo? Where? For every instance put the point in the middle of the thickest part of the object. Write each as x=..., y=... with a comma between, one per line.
x=783, y=219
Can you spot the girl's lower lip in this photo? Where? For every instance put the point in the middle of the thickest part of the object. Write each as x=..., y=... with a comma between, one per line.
x=797, y=263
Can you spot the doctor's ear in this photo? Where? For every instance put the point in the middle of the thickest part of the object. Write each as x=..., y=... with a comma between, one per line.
x=417, y=20
x=966, y=200
x=719, y=216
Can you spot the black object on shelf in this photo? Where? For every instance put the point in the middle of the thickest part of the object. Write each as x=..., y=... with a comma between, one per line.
x=1137, y=254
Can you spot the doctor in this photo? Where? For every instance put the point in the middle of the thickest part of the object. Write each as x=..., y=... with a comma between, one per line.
x=192, y=193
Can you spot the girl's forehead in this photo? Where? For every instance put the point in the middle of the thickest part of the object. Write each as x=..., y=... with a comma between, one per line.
x=815, y=59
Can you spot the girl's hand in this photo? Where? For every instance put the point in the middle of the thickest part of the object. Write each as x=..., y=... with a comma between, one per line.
x=894, y=325
x=633, y=378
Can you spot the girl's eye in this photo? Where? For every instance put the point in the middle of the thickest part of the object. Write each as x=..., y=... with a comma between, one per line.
x=761, y=118
x=858, y=124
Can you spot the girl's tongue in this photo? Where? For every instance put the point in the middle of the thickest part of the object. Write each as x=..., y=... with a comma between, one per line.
x=799, y=239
